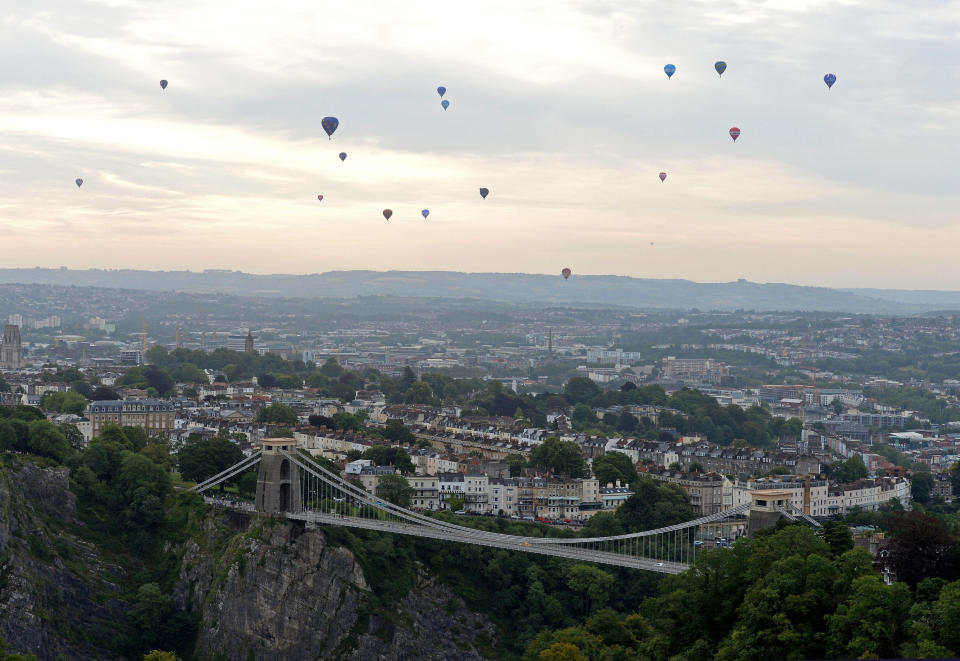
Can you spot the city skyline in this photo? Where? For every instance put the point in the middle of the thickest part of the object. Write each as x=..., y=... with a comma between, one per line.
x=566, y=116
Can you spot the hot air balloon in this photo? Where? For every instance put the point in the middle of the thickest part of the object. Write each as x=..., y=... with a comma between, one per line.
x=330, y=125
x=425, y=212
x=734, y=133
x=445, y=104
x=829, y=79
x=320, y=197
x=720, y=66
x=566, y=273
x=484, y=192
x=663, y=175
x=163, y=84
x=387, y=213
x=79, y=183
x=343, y=156
x=441, y=91
x=670, y=70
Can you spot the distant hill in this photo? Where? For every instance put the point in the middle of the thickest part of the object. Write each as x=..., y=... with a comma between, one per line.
x=509, y=287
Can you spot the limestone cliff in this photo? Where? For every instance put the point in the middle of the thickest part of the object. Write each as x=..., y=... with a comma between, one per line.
x=269, y=590
x=58, y=599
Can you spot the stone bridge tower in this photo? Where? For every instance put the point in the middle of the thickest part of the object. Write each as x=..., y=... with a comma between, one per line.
x=278, y=481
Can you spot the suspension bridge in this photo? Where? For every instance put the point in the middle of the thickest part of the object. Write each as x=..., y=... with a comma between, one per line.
x=291, y=484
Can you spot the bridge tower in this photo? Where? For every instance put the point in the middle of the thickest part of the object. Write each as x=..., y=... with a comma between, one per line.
x=278, y=480
x=765, y=508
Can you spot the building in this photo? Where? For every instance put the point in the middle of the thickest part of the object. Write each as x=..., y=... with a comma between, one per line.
x=504, y=496
x=11, y=351
x=473, y=489
x=699, y=370
x=131, y=357
x=248, y=343
x=613, y=496
x=155, y=416
x=709, y=493
x=426, y=492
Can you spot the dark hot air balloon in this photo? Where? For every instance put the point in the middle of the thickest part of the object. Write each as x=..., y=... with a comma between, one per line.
x=663, y=175
x=163, y=84
x=566, y=273
x=734, y=133
x=720, y=66
x=829, y=79
x=330, y=125
x=79, y=183
x=669, y=70
x=425, y=212
x=445, y=104
x=387, y=213
x=441, y=91
x=484, y=192
x=343, y=156
x=320, y=197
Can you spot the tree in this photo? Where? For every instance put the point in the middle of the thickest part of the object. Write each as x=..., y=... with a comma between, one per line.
x=331, y=369
x=395, y=489
x=580, y=389
x=612, y=466
x=47, y=440
x=851, y=470
x=158, y=655
x=560, y=457
x=398, y=432
x=73, y=435
x=346, y=421
x=102, y=394
x=837, y=535
x=322, y=421
x=654, y=505
x=870, y=624
x=627, y=422
x=202, y=459
x=64, y=402
x=921, y=486
x=159, y=380
x=583, y=416
x=419, y=393
x=277, y=413
x=592, y=583
x=922, y=547
x=267, y=381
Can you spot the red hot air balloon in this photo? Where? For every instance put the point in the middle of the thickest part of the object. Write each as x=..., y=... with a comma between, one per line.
x=734, y=133
x=320, y=197
x=566, y=273
x=387, y=213
x=663, y=175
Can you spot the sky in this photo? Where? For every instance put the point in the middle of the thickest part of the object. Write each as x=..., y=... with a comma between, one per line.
x=561, y=108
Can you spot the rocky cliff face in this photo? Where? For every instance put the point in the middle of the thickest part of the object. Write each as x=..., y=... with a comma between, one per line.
x=270, y=590
x=57, y=597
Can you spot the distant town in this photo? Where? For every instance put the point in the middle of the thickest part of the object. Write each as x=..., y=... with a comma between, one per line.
x=475, y=403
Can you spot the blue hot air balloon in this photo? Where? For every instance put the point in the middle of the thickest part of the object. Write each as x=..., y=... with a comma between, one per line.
x=829, y=79
x=343, y=156
x=163, y=84
x=720, y=66
x=79, y=183
x=441, y=91
x=484, y=192
x=330, y=125
x=669, y=70
x=425, y=212
x=445, y=104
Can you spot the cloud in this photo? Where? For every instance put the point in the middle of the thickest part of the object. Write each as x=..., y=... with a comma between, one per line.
x=560, y=108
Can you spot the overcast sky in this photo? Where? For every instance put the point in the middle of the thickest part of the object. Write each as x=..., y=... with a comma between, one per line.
x=560, y=108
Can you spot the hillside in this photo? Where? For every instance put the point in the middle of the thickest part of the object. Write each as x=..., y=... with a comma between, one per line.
x=509, y=287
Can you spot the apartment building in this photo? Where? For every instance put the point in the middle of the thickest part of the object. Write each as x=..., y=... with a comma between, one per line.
x=155, y=416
